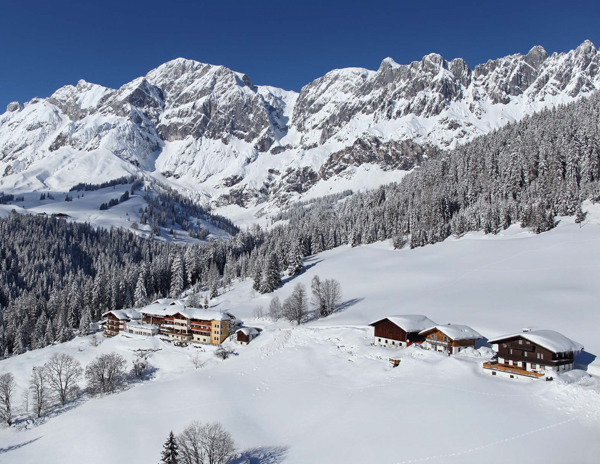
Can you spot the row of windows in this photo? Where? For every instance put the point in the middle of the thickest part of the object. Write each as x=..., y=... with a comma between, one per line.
x=538, y=355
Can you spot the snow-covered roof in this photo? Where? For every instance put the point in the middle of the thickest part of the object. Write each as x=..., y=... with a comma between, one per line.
x=157, y=309
x=248, y=331
x=168, y=301
x=549, y=339
x=409, y=322
x=455, y=332
x=124, y=314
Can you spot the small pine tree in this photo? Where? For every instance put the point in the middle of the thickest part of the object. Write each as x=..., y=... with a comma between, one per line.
x=177, y=277
x=579, y=215
x=296, y=264
x=271, y=276
x=170, y=451
x=86, y=321
x=140, y=296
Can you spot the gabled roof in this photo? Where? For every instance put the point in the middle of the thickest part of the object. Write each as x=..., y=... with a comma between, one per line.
x=168, y=301
x=409, y=322
x=157, y=309
x=455, y=332
x=549, y=339
x=124, y=314
x=248, y=331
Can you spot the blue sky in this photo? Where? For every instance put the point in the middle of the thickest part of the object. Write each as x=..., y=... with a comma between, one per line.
x=47, y=44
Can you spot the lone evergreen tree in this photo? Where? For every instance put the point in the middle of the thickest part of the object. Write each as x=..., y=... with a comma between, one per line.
x=579, y=215
x=271, y=278
x=177, y=277
x=140, y=296
x=170, y=451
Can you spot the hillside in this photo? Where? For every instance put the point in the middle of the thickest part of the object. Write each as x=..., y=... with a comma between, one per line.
x=321, y=393
x=210, y=130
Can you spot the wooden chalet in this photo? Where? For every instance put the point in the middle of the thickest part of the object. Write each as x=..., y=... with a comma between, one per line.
x=246, y=334
x=116, y=321
x=532, y=354
x=400, y=331
x=450, y=339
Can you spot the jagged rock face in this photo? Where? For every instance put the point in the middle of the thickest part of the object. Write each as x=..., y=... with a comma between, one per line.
x=210, y=101
x=428, y=87
x=391, y=155
x=211, y=129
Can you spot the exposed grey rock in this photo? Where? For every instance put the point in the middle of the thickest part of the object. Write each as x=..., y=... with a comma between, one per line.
x=14, y=106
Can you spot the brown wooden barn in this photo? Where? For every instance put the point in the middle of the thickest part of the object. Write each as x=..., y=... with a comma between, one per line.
x=246, y=334
x=400, y=331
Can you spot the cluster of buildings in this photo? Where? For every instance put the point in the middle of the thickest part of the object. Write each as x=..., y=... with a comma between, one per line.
x=532, y=354
x=176, y=321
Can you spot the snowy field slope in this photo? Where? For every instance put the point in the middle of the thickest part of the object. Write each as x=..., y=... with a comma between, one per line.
x=320, y=393
x=85, y=208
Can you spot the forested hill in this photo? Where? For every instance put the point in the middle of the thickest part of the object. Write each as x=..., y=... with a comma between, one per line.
x=525, y=173
x=56, y=276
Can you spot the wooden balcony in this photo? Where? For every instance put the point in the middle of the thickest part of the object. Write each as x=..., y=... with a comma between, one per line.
x=495, y=366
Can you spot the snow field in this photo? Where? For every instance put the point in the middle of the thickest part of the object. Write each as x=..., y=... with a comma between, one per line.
x=321, y=393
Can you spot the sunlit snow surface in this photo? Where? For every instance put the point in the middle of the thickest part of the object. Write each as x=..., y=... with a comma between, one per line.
x=320, y=393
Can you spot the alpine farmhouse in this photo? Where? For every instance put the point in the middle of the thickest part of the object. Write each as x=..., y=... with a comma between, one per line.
x=532, y=355
x=450, y=339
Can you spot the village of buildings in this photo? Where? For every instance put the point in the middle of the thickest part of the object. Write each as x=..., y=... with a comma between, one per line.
x=529, y=354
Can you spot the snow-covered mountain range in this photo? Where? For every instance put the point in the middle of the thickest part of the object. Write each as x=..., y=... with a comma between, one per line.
x=210, y=130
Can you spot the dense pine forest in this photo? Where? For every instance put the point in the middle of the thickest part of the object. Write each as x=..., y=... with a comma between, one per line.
x=56, y=277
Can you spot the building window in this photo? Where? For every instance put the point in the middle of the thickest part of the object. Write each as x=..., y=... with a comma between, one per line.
x=520, y=342
x=510, y=350
x=380, y=340
x=493, y=372
x=512, y=376
x=525, y=353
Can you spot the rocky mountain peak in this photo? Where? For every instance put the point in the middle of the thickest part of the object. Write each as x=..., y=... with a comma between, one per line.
x=212, y=129
x=14, y=106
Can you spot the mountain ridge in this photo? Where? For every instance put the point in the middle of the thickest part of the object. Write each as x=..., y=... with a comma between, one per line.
x=212, y=132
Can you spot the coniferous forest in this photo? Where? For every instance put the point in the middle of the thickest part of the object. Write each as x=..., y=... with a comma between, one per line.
x=57, y=277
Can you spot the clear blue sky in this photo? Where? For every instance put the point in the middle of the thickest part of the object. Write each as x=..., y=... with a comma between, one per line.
x=47, y=44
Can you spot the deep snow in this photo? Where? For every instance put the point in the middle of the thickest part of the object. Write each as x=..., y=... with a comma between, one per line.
x=321, y=393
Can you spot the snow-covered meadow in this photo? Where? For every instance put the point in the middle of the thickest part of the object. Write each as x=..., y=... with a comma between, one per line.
x=321, y=393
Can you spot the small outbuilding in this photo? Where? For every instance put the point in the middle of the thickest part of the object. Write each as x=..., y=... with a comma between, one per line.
x=246, y=334
x=400, y=331
x=450, y=339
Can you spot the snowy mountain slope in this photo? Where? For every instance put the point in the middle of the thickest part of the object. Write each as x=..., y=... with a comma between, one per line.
x=210, y=130
x=321, y=393
x=85, y=207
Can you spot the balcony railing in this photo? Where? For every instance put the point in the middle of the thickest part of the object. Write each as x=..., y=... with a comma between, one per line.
x=510, y=369
x=438, y=342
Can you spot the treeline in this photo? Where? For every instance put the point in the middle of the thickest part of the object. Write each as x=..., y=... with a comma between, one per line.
x=111, y=183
